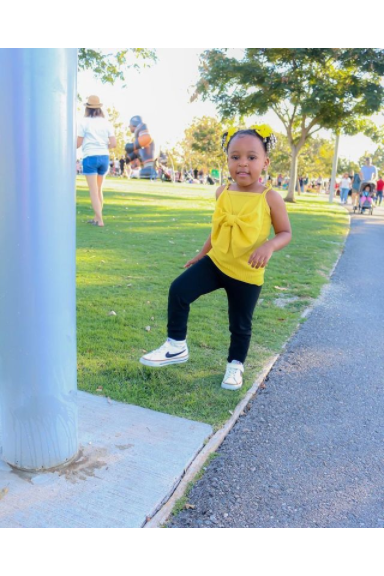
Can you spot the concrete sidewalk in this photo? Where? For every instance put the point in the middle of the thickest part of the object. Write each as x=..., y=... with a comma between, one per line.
x=130, y=461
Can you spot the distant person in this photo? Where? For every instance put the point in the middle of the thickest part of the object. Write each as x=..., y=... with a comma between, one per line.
x=379, y=191
x=368, y=173
x=345, y=185
x=122, y=166
x=96, y=136
x=356, y=183
x=234, y=256
x=279, y=180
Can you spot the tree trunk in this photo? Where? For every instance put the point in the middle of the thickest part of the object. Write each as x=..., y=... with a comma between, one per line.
x=290, y=197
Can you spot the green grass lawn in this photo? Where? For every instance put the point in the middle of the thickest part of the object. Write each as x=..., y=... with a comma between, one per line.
x=151, y=230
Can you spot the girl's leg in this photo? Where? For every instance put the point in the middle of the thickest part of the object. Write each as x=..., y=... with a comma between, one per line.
x=94, y=194
x=242, y=299
x=201, y=278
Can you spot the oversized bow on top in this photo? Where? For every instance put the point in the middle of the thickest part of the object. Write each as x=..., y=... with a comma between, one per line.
x=239, y=231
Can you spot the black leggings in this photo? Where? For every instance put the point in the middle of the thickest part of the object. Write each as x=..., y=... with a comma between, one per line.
x=202, y=278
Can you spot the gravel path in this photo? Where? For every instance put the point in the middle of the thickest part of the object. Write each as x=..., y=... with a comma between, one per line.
x=309, y=451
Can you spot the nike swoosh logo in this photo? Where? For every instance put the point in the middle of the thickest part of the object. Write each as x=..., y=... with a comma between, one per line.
x=168, y=355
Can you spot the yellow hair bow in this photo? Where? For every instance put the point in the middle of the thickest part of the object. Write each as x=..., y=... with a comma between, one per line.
x=263, y=130
x=230, y=133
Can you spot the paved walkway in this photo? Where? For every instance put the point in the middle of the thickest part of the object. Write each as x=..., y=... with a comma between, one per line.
x=309, y=452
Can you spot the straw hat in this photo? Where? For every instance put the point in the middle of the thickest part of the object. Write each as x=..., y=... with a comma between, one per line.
x=93, y=102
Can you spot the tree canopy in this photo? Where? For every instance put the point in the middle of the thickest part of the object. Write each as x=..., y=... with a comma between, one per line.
x=307, y=88
x=109, y=67
x=122, y=133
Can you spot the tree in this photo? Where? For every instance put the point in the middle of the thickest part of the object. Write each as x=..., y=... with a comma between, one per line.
x=316, y=157
x=347, y=165
x=201, y=146
x=109, y=67
x=122, y=133
x=280, y=156
x=307, y=88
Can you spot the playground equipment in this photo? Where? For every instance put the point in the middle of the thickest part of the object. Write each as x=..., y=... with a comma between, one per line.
x=142, y=148
x=38, y=241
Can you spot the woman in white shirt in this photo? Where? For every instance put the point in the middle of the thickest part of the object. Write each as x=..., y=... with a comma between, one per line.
x=345, y=185
x=96, y=136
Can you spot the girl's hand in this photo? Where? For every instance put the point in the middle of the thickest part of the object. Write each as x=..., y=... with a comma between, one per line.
x=261, y=256
x=194, y=260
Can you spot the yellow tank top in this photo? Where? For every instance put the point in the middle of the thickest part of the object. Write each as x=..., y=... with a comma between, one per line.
x=241, y=223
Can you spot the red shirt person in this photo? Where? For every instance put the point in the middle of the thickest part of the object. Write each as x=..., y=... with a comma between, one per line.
x=379, y=191
x=380, y=185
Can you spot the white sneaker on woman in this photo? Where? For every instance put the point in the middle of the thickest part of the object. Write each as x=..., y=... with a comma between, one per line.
x=171, y=352
x=233, y=378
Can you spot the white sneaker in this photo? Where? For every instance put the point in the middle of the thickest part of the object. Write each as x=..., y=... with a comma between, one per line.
x=168, y=353
x=233, y=378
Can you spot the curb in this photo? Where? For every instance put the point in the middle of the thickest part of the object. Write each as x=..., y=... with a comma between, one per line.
x=161, y=517
x=213, y=443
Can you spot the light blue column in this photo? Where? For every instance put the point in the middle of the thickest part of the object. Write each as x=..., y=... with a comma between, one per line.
x=37, y=257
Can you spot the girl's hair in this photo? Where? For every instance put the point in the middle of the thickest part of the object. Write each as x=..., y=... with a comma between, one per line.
x=269, y=142
x=93, y=112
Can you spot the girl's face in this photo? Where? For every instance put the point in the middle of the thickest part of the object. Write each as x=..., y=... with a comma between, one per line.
x=246, y=159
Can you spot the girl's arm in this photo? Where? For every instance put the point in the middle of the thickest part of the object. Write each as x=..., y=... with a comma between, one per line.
x=282, y=228
x=205, y=249
x=79, y=141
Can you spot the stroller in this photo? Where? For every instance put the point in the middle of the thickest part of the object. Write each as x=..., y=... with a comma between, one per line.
x=365, y=198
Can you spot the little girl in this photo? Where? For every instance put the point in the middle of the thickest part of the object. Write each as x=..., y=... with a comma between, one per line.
x=235, y=254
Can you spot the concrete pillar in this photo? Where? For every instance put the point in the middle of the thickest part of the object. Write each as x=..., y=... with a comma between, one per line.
x=37, y=247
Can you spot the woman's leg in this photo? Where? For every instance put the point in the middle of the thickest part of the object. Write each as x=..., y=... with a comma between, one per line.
x=201, y=278
x=94, y=194
x=100, y=183
x=242, y=299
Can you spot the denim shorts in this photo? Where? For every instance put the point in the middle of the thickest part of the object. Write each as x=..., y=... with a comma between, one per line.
x=96, y=165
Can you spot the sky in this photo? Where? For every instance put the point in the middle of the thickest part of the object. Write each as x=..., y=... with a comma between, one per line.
x=161, y=95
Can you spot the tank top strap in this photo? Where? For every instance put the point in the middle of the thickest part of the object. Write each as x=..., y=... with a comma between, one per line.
x=267, y=188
